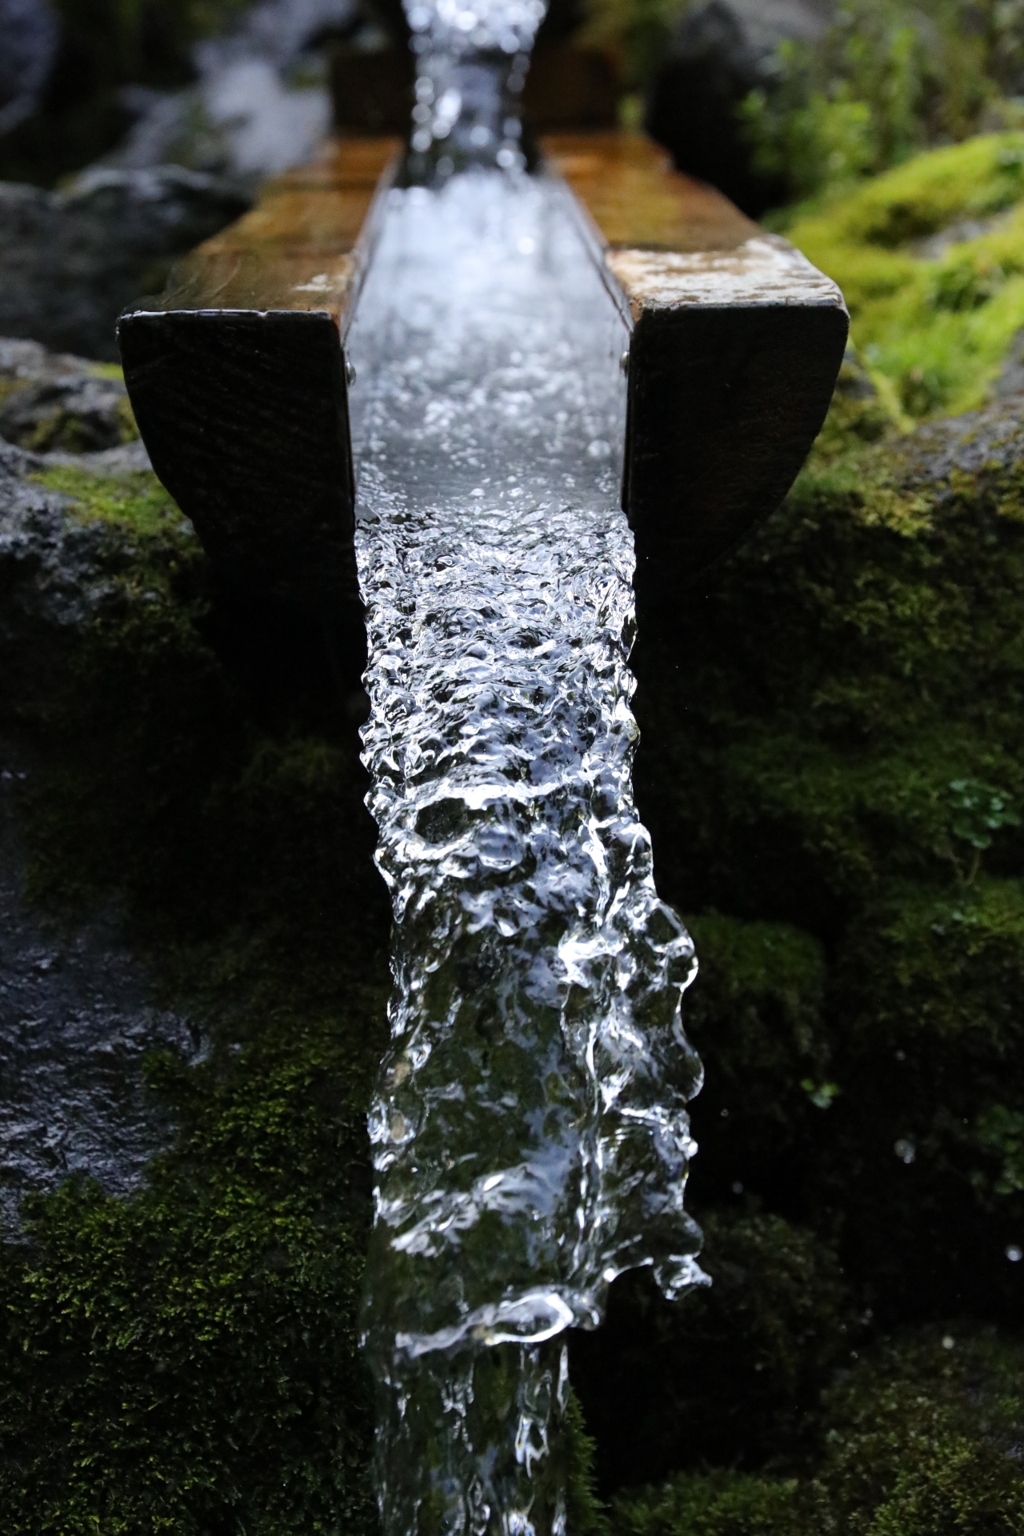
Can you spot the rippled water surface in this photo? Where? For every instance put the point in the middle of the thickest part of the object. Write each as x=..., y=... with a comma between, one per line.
x=529, y=1133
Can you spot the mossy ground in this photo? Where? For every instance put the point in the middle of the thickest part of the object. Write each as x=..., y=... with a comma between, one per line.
x=186, y=1360
x=831, y=766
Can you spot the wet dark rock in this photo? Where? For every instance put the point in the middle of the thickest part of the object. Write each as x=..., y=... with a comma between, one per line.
x=76, y=1016
x=28, y=30
x=721, y=52
x=985, y=445
x=54, y=401
x=76, y=1024
x=56, y=570
x=70, y=262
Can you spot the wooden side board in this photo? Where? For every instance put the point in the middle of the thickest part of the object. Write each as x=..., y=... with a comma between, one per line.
x=737, y=341
x=237, y=372
x=237, y=377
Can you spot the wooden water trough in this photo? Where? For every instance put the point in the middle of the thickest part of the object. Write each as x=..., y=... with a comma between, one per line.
x=238, y=378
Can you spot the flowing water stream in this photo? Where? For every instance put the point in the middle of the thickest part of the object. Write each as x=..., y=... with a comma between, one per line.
x=529, y=1132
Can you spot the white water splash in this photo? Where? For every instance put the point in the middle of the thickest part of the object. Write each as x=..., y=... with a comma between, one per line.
x=529, y=1134
x=471, y=63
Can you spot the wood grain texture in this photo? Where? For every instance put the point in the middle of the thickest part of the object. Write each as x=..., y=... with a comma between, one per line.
x=737, y=341
x=236, y=374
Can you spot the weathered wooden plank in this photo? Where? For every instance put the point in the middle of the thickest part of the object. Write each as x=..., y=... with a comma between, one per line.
x=737, y=341
x=237, y=378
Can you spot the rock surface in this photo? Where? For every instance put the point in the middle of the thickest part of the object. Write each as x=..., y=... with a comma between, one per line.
x=55, y=401
x=28, y=30
x=720, y=52
x=76, y=1023
x=70, y=262
x=259, y=106
x=76, y=1016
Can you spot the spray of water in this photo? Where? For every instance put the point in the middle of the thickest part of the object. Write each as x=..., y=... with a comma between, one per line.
x=471, y=62
x=529, y=1131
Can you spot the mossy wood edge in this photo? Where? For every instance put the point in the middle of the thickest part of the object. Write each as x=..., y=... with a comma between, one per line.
x=237, y=372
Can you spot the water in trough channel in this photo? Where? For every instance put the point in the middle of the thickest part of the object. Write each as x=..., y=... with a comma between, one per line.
x=529, y=1132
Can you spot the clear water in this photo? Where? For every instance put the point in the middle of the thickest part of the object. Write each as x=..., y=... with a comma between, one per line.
x=471, y=62
x=529, y=1133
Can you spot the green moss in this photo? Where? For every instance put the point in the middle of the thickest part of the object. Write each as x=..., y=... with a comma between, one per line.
x=833, y=786
x=924, y=1438
x=136, y=501
x=935, y=328
x=920, y=1439
x=731, y=1376
x=186, y=1359
x=585, y=1514
x=718, y=1503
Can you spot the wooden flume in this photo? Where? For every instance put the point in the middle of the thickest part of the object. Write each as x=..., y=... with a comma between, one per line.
x=237, y=372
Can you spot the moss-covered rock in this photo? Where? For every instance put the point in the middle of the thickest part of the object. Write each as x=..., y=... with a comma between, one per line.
x=733, y=1375
x=52, y=402
x=929, y=259
x=185, y=1358
x=922, y=1438
x=717, y=1503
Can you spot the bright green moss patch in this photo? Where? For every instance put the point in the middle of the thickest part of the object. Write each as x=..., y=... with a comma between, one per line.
x=936, y=323
x=137, y=501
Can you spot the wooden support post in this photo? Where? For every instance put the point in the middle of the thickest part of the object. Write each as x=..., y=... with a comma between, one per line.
x=737, y=341
x=237, y=378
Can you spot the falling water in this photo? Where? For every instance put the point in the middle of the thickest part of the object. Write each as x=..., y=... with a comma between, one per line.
x=471, y=62
x=529, y=1131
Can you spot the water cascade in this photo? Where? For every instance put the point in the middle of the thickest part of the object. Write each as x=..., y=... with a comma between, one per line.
x=529, y=1131
x=453, y=345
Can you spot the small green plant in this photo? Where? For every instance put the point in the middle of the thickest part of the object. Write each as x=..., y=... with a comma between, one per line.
x=887, y=79
x=976, y=812
x=1000, y=1131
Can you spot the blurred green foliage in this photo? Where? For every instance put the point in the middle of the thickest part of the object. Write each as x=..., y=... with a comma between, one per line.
x=887, y=79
